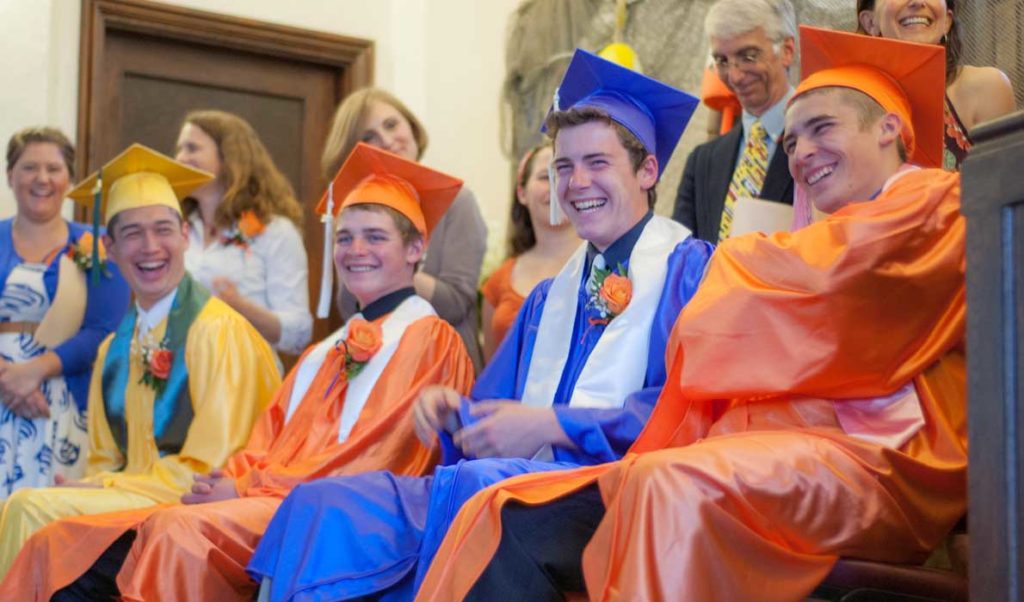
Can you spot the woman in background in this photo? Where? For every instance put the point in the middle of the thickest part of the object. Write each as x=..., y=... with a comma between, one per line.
x=53, y=317
x=245, y=244
x=451, y=269
x=536, y=249
x=973, y=94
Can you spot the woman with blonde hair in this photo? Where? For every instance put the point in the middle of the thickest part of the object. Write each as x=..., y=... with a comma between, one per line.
x=53, y=316
x=536, y=249
x=245, y=244
x=973, y=94
x=451, y=269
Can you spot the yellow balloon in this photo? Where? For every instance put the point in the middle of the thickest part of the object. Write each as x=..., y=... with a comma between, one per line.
x=621, y=54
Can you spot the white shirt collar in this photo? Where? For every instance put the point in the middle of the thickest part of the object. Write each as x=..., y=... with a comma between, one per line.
x=148, y=319
x=773, y=120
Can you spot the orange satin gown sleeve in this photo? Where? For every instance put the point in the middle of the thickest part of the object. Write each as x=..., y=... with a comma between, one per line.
x=430, y=352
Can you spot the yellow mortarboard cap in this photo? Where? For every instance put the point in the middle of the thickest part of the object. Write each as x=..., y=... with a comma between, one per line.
x=139, y=177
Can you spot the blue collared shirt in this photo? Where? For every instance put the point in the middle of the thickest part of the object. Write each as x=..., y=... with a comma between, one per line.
x=773, y=120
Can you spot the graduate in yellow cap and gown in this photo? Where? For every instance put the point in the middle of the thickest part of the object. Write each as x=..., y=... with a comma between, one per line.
x=815, y=404
x=346, y=407
x=177, y=387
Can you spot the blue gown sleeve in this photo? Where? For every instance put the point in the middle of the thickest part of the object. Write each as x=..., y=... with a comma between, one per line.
x=603, y=435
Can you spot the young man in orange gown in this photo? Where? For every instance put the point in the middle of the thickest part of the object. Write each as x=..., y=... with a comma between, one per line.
x=346, y=407
x=815, y=405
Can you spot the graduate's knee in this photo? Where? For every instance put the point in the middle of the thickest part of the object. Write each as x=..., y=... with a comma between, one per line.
x=23, y=504
x=173, y=521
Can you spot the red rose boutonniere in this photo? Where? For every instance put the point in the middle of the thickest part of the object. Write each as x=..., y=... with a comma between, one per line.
x=610, y=292
x=156, y=365
x=361, y=344
x=246, y=230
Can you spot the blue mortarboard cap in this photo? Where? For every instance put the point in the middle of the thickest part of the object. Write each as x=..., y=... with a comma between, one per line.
x=654, y=112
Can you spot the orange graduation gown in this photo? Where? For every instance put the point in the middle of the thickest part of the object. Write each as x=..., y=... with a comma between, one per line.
x=199, y=552
x=750, y=488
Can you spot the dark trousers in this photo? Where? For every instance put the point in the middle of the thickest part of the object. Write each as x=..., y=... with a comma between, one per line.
x=541, y=548
x=100, y=581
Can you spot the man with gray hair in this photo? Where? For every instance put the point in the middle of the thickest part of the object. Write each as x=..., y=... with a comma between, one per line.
x=752, y=46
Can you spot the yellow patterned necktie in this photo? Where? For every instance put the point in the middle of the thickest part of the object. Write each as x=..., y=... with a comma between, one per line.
x=748, y=177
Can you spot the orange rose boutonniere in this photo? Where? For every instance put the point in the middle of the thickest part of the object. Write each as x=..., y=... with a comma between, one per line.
x=245, y=232
x=156, y=365
x=610, y=291
x=80, y=252
x=362, y=343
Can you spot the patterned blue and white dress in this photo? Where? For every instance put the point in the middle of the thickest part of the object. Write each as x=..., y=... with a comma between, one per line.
x=33, y=451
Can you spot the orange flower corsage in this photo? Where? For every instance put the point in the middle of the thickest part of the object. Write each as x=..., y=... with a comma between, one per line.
x=362, y=343
x=80, y=252
x=156, y=365
x=610, y=292
x=249, y=226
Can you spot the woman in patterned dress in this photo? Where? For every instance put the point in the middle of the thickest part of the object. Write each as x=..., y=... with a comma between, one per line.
x=48, y=336
x=973, y=94
x=244, y=240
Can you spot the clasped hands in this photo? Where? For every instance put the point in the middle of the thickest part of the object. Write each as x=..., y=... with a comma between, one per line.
x=503, y=428
x=20, y=386
x=214, y=486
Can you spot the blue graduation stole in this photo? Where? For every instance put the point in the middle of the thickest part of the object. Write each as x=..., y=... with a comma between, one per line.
x=172, y=408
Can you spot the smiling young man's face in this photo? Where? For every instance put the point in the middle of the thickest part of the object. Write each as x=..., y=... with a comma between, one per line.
x=598, y=188
x=833, y=156
x=148, y=245
x=371, y=258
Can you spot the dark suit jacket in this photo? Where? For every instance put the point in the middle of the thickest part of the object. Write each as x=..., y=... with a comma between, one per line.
x=701, y=196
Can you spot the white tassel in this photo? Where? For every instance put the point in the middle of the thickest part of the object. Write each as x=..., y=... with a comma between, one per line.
x=323, y=307
x=556, y=217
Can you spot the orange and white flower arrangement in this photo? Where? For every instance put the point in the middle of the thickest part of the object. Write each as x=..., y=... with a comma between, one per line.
x=610, y=292
x=249, y=226
x=80, y=252
x=156, y=365
x=362, y=343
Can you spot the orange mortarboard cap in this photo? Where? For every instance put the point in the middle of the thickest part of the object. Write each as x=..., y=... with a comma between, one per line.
x=370, y=175
x=906, y=78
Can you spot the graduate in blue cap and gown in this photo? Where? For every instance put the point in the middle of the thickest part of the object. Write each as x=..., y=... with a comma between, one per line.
x=574, y=381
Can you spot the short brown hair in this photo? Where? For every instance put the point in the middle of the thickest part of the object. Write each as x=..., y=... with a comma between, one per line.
x=251, y=180
x=345, y=132
x=406, y=230
x=41, y=134
x=521, y=235
x=580, y=115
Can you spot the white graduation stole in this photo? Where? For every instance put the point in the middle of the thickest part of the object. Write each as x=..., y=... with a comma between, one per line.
x=360, y=387
x=618, y=363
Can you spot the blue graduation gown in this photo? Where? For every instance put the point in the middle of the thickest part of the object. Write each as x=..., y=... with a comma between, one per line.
x=376, y=533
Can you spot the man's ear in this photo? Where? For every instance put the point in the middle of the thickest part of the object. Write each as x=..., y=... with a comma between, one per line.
x=647, y=174
x=890, y=127
x=108, y=244
x=867, y=22
x=414, y=251
x=787, y=52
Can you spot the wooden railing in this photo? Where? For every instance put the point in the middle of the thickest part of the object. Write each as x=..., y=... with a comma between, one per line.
x=993, y=201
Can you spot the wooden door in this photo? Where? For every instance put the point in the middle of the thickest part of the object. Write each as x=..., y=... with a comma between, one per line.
x=145, y=65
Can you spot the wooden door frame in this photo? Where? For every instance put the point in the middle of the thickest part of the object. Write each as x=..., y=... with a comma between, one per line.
x=352, y=57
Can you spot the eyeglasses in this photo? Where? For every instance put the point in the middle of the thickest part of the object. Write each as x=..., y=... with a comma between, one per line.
x=746, y=60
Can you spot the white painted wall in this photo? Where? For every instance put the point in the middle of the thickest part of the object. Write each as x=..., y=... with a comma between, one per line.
x=444, y=58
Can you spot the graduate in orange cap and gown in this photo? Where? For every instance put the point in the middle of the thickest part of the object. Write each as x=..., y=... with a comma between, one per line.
x=177, y=387
x=346, y=407
x=815, y=405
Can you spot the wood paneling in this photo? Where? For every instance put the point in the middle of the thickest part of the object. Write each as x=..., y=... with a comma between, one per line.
x=144, y=65
x=993, y=201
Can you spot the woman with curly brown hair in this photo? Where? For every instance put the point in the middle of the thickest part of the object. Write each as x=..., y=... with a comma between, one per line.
x=973, y=94
x=450, y=271
x=245, y=244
